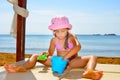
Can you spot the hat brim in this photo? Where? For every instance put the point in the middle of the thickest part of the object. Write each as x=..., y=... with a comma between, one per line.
x=56, y=27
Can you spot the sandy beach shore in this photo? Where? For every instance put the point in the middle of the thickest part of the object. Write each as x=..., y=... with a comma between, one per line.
x=11, y=58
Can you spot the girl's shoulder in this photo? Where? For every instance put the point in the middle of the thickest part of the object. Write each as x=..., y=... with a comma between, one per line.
x=72, y=36
x=53, y=39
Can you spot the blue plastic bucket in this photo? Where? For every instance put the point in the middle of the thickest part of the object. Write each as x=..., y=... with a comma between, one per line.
x=58, y=64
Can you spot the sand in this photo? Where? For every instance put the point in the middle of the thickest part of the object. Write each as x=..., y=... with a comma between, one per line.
x=11, y=58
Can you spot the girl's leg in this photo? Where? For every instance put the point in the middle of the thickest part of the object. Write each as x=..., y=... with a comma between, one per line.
x=92, y=74
x=27, y=65
x=90, y=63
x=75, y=63
x=90, y=69
x=33, y=59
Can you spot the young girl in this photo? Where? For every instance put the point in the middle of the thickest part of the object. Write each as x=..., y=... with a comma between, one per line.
x=67, y=46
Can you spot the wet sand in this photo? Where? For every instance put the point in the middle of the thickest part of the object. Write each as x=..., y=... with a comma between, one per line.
x=11, y=58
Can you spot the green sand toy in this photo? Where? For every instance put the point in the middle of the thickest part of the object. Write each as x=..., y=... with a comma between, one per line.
x=42, y=57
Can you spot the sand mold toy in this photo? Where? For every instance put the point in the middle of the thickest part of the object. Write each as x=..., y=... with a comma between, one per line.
x=42, y=57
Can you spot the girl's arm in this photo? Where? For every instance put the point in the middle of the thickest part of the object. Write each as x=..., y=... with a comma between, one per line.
x=51, y=47
x=75, y=49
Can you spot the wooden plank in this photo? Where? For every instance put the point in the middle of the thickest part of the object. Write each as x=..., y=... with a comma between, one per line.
x=20, y=50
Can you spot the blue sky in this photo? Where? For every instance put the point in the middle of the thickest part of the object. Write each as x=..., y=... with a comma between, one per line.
x=86, y=16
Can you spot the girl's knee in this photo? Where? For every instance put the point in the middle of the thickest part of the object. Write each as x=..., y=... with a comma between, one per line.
x=94, y=57
x=35, y=55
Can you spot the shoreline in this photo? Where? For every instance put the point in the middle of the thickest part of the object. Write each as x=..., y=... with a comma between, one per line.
x=11, y=58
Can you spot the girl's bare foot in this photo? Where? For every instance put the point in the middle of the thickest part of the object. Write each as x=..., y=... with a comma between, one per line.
x=9, y=68
x=95, y=75
x=13, y=69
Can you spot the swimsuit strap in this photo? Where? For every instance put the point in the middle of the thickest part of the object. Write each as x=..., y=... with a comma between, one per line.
x=70, y=45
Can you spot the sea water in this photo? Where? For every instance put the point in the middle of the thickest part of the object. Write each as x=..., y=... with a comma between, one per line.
x=99, y=45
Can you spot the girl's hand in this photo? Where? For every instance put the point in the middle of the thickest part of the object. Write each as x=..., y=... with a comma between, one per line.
x=45, y=53
x=42, y=53
x=65, y=57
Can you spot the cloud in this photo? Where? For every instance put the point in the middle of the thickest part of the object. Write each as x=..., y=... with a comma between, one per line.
x=75, y=17
x=5, y=4
x=44, y=12
x=105, y=17
x=7, y=18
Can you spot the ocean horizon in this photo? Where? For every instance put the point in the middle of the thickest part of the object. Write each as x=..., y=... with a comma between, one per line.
x=99, y=45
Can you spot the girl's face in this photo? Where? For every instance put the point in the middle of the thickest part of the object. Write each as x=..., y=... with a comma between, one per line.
x=61, y=33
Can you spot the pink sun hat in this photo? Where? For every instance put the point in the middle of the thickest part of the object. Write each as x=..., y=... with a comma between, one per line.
x=59, y=23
